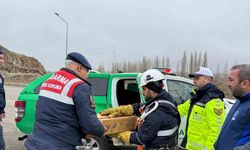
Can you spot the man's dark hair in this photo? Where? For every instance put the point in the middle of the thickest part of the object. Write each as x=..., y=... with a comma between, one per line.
x=244, y=71
x=156, y=86
x=1, y=50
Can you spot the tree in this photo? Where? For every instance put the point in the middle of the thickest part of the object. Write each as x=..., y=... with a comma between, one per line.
x=101, y=68
x=184, y=64
x=195, y=60
x=124, y=66
x=226, y=69
x=199, y=60
x=146, y=64
x=156, y=62
x=168, y=62
x=191, y=64
x=178, y=67
x=204, y=64
x=113, y=67
x=163, y=60
x=218, y=68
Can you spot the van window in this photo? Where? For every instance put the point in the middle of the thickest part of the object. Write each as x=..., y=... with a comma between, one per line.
x=127, y=92
x=179, y=90
x=99, y=86
x=37, y=89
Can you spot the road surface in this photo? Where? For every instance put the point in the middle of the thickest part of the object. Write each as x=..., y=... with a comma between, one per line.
x=11, y=133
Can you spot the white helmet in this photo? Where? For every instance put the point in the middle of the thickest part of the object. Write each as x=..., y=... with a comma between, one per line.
x=151, y=75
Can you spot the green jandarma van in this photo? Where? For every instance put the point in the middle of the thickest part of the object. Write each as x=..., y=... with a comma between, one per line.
x=109, y=90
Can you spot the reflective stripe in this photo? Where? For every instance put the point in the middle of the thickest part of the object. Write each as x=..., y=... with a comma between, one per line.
x=63, y=96
x=56, y=96
x=146, y=112
x=200, y=104
x=68, y=85
x=170, y=131
x=156, y=104
x=167, y=132
x=166, y=102
x=138, y=138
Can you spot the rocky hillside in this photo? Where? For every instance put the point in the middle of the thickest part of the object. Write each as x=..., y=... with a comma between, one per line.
x=18, y=68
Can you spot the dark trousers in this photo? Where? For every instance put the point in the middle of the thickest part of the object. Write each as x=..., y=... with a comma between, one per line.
x=2, y=144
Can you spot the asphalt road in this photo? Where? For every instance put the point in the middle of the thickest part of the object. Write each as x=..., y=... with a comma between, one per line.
x=11, y=133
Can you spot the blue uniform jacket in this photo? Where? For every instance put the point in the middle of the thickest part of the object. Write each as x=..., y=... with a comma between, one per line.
x=2, y=95
x=236, y=128
x=165, y=117
x=61, y=125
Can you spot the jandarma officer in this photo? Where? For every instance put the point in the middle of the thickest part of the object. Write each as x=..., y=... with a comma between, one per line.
x=65, y=112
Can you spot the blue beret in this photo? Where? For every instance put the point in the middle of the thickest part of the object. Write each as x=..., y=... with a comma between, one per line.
x=79, y=58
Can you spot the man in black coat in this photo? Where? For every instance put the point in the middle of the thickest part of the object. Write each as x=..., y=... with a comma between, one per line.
x=2, y=102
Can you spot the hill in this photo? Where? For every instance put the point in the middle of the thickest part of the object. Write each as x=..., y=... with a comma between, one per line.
x=20, y=69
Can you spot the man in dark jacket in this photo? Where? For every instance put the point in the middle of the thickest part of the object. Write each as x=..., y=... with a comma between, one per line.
x=159, y=119
x=65, y=111
x=2, y=102
x=235, y=133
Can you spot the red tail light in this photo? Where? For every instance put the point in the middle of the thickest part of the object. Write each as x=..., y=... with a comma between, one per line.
x=168, y=71
x=20, y=110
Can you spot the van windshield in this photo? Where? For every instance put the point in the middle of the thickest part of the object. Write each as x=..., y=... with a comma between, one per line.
x=99, y=86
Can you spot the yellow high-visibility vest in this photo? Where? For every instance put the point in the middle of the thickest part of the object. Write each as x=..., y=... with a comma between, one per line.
x=204, y=123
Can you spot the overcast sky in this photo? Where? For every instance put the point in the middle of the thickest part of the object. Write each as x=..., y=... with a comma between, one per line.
x=131, y=28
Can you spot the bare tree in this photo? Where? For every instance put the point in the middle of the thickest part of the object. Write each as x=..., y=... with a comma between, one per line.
x=195, y=60
x=114, y=67
x=184, y=64
x=218, y=68
x=204, y=64
x=163, y=60
x=130, y=67
x=191, y=64
x=124, y=66
x=226, y=69
x=146, y=64
x=168, y=62
x=156, y=62
x=178, y=67
x=199, y=60
x=101, y=68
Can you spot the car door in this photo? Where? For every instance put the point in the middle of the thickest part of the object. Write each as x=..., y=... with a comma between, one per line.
x=180, y=89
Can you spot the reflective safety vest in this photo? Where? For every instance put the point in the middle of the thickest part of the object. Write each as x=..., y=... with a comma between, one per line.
x=146, y=111
x=60, y=87
x=204, y=123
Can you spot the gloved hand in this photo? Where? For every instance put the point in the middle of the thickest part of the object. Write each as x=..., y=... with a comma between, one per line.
x=126, y=110
x=123, y=136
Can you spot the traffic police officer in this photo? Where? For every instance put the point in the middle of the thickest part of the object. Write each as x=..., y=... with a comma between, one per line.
x=204, y=111
x=65, y=110
x=159, y=121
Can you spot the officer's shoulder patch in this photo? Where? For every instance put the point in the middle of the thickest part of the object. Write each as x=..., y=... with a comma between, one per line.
x=218, y=111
